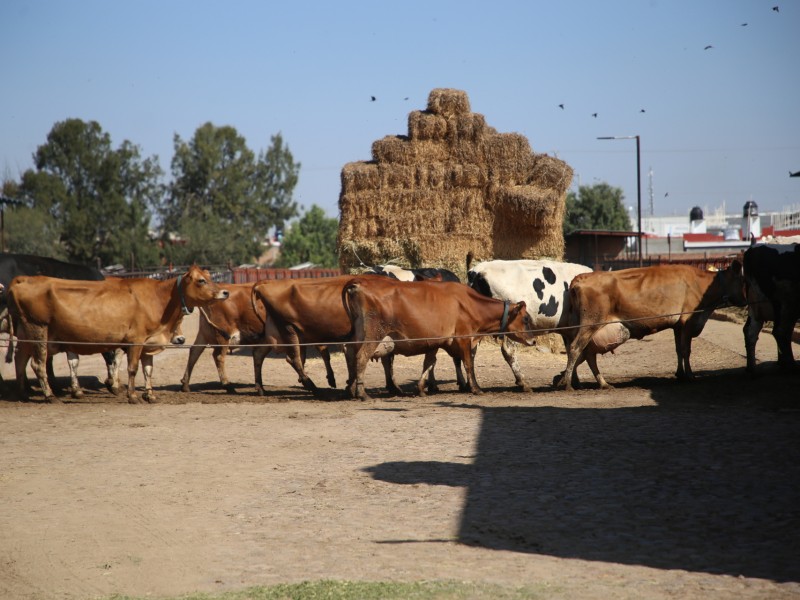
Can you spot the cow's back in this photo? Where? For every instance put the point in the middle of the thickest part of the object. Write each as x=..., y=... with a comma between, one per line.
x=88, y=310
x=663, y=291
x=542, y=284
x=311, y=306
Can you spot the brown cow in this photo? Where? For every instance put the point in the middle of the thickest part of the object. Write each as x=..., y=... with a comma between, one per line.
x=236, y=321
x=113, y=362
x=609, y=307
x=421, y=317
x=86, y=317
x=302, y=312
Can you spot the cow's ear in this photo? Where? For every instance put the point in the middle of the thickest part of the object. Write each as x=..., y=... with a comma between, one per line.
x=517, y=308
x=736, y=267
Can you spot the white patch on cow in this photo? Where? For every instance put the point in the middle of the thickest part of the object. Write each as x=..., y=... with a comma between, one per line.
x=609, y=337
x=236, y=338
x=385, y=348
x=399, y=272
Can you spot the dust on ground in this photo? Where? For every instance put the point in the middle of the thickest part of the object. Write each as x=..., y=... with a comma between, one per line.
x=656, y=489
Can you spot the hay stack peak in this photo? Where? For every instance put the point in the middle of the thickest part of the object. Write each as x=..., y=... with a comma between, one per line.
x=453, y=185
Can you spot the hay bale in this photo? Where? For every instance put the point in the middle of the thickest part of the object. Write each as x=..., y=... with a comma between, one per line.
x=423, y=125
x=448, y=102
x=452, y=186
x=357, y=176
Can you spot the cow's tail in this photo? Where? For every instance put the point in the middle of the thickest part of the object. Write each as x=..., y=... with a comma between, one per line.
x=255, y=305
x=351, y=301
x=470, y=257
x=10, y=321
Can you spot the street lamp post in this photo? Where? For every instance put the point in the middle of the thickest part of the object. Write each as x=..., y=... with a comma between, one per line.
x=638, y=186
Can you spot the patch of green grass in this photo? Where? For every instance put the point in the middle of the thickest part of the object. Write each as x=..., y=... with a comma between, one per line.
x=381, y=590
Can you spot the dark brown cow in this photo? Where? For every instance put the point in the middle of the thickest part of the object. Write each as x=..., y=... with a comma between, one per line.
x=608, y=308
x=303, y=312
x=772, y=285
x=54, y=315
x=420, y=318
x=236, y=321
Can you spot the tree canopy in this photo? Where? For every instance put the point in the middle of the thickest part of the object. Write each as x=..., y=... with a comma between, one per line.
x=312, y=238
x=223, y=199
x=598, y=207
x=89, y=202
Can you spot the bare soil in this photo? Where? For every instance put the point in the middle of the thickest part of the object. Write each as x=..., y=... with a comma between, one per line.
x=655, y=489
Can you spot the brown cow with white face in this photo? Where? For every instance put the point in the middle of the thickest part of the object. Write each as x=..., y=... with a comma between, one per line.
x=609, y=307
x=86, y=317
x=420, y=318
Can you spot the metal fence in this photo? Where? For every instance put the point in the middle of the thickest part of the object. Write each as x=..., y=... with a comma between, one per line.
x=223, y=274
x=706, y=263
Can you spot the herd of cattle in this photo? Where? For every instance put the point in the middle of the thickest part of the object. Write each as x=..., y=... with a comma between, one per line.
x=50, y=307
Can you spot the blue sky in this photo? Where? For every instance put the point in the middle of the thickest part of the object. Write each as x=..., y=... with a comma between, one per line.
x=720, y=125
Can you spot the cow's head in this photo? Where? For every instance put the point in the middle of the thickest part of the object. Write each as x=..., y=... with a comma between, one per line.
x=520, y=325
x=733, y=284
x=196, y=288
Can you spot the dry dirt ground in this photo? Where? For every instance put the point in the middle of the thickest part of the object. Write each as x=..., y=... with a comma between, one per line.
x=655, y=489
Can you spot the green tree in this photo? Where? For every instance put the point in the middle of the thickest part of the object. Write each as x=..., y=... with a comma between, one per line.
x=220, y=188
x=312, y=238
x=598, y=207
x=99, y=198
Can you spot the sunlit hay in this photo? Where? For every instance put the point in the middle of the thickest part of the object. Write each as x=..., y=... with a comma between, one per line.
x=453, y=185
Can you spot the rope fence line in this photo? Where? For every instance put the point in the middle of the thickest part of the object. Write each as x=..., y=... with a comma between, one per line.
x=5, y=343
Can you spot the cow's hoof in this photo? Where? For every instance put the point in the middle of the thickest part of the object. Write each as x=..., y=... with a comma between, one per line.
x=77, y=394
x=332, y=382
x=135, y=400
x=525, y=388
x=53, y=399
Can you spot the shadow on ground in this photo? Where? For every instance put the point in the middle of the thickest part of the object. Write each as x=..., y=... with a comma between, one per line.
x=698, y=482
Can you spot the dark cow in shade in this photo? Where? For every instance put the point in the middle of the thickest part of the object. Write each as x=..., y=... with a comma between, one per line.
x=423, y=274
x=772, y=287
x=542, y=284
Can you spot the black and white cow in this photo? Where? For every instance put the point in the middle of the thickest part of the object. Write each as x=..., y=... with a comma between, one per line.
x=772, y=287
x=424, y=274
x=542, y=284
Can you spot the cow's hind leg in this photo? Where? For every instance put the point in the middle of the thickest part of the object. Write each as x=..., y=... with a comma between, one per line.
x=752, y=328
x=296, y=356
x=194, y=354
x=40, y=368
x=388, y=372
x=427, y=370
x=73, y=361
x=326, y=358
x=591, y=360
x=113, y=360
x=259, y=354
x=134, y=355
x=683, y=349
x=147, y=371
x=509, y=350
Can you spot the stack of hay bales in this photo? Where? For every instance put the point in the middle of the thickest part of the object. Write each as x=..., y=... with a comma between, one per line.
x=452, y=186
